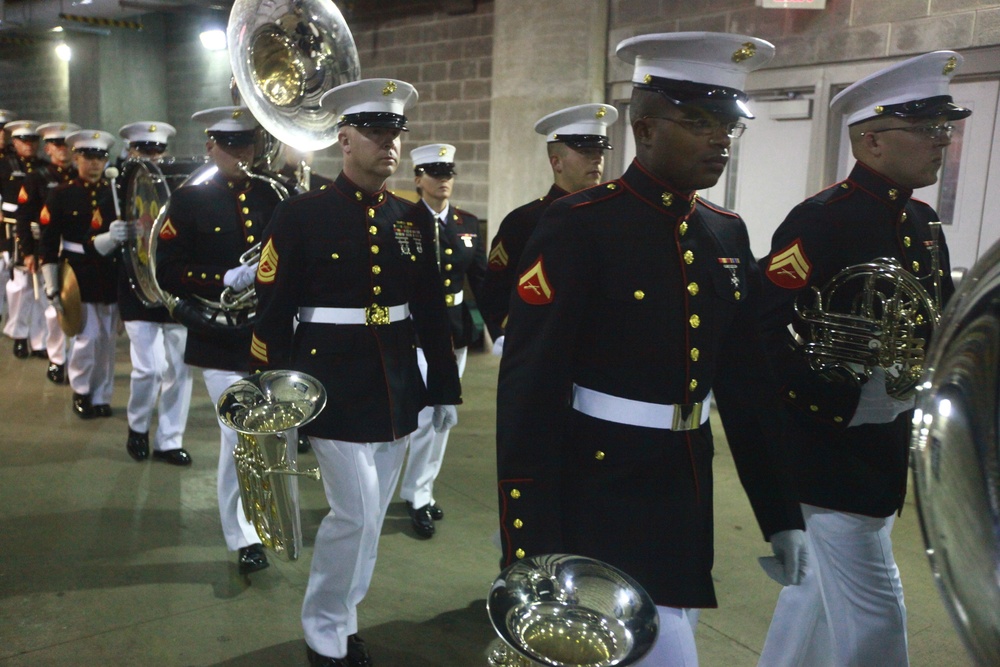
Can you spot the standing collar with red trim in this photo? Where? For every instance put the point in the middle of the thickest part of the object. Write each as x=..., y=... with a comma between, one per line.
x=657, y=192
x=880, y=187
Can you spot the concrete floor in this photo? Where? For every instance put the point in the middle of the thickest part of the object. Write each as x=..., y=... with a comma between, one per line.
x=105, y=561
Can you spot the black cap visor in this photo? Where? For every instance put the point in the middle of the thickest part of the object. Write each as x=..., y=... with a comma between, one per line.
x=148, y=147
x=233, y=139
x=375, y=119
x=56, y=141
x=92, y=153
x=28, y=137
x=437, y=169
x=583, y=140
x=714, y=99
x=928, y=107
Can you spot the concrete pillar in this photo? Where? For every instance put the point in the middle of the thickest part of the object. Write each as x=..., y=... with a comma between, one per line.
x=546, y=56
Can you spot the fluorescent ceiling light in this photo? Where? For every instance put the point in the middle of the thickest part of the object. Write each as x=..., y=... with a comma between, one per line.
x=213, y=40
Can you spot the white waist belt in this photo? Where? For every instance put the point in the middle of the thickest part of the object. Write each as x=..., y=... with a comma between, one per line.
x=70, y=246
x=454, y=299
x=639, y=413
x=372, y=315
x=9, y=207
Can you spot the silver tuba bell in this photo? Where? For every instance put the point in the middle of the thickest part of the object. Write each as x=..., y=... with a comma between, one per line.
x=875, y=314
x=956, y=458
x=264, y=409
x=569, y=611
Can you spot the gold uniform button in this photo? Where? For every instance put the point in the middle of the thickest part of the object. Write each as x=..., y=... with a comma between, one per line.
x=248, y=223
x=373, y=230
x=371, y=213
x=377, y=289
x=916, y=266
x=518, y=523
x=245, y=210
x=902, y=218
x=335, y=256
x=376, y=269
x=695, y=353
x=688, y=257
x=907, y=241
x=447, y=282
x=893, y=194
x=667, y=198
x=611, y=186
x=515, y=494
x=683, y=228
x=792, y=394
x=639, y=295
x=447, y=267
x=737, y=295
x=250, y=238
x=519, y=553
x=692, y=288
x=374, y=249
x=449, y=299
x=218, y=229
x=695, y=321
x=218, y=277
x=693, y=384
x=203, y=276
x=312, y=351
x=242, y=197
x=814, y=408
x=448, y=251
x=413, y=258
x=190, y=274
x=599, y=455
x=838, y=419
x=358, y=195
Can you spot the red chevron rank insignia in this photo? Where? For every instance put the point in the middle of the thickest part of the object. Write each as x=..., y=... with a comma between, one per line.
x=44, y=217
x=168, y=231
x=96, y=219
x=22, y=196
x=790, y=268
x=533, y=286
x=268, y=265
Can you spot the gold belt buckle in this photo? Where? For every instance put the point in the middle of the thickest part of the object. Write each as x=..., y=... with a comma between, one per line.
x=376, y=315
x=687, y=417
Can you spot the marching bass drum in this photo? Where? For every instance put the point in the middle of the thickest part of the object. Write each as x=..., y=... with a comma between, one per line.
x=957, y=461
x=148, y=184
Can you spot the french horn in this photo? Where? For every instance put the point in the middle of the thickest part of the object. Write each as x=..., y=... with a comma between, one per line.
x=956, y=458
x=563, y=610
x=265, y=409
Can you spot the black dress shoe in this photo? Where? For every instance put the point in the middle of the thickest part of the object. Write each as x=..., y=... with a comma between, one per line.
x=137, y=445
x=252, y=558
x=423, y=524
x=21, y=348
x=177, y=457
x=82, y=406
x=304, y=444
x=317, y=660
x=436, y=512
x=40, y=354
x=56, y=373
x=357, y=652
x=102, y=410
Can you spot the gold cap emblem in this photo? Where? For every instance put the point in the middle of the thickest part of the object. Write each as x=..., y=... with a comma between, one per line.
x=390, y=88
x=97, y=135
x=879, y=109
x=950, y=66
x=647, y=79
x=237, y=113
x=442, y=152
x=747, y=51
x=152, y=128
x=601, y=113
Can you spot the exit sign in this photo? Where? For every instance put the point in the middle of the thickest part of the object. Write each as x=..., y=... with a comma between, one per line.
x=792, y=4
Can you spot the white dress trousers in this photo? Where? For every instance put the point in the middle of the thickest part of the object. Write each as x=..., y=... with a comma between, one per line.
x=237, y=530
x=160, y=379
x=55, y=339
x=426, y=447
x=848, y=611
x=4, y=275
x=25, y=313
x=359, y=480
x=92, y=363
x=675, y=640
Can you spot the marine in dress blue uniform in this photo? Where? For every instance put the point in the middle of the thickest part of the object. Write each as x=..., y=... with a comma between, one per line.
x=208, y=227
x=576, y=139
x=851, y=438
x=160, y=379
x=461, y=259
x=81, y=216
x=347, y=285
x=6, y=236
x=634, y=306
x=26, y=319
x=37, y=185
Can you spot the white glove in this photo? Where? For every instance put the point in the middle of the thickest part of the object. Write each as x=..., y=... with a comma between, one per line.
x=50, y=276
x=118, y=230
x=240, y=277
x=105, y=243
x=445, y=416
x=791, y=550
x=498, y=347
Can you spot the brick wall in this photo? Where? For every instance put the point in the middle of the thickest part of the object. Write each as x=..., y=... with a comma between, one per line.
x=35, y=83
x=846, y=30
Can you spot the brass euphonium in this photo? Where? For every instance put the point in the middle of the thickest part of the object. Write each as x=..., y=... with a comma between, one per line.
x=265, y=410
x=562, y=610
x=875, y=314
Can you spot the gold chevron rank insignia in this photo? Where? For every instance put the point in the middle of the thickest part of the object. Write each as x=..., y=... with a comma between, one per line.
x=498, y=258
x=790, y=268
x=268, y=266
x=533, y=286
x=168, y=231
x=258, y=349
x=44, y=217
x=22, y=196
